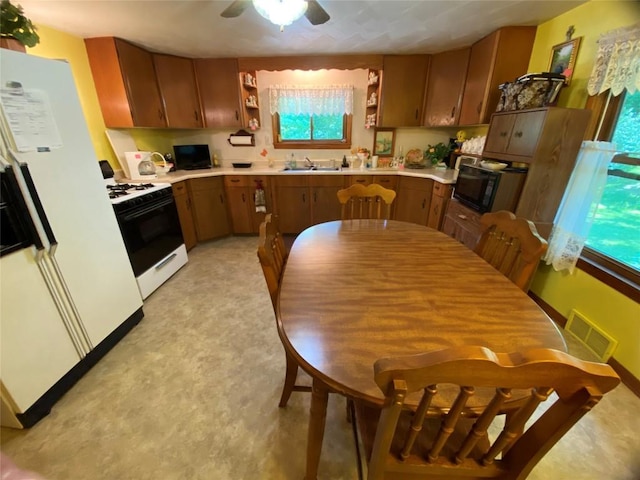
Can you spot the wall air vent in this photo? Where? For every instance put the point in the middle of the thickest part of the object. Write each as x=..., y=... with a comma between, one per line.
x=591, y=336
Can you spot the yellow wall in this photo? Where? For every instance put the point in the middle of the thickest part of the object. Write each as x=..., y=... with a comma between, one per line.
x=615, y=313
x=60, y=45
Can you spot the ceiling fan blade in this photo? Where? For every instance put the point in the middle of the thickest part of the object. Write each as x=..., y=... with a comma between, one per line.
x=235, y=9
x=315, y=13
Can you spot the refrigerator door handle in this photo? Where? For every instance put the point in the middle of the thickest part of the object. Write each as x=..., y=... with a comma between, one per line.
x=24, y=168
x=21, y=207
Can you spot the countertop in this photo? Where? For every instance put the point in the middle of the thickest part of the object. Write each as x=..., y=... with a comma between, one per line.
x=445, y=176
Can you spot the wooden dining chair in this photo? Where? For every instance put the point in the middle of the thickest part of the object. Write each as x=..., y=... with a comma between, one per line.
x=371, y=201
x=272, y=254
x=512, y=246
x=451, y=441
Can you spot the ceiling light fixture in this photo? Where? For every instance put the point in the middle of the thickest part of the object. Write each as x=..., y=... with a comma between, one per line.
x=281, y=12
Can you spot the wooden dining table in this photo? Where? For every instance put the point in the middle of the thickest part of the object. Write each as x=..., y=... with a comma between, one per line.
x=358, y=290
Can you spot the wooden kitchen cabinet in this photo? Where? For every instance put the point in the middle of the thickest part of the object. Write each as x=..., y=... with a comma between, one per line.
x=445, y=85
x=220, y=98
x=325, y=206
x=177, y=82
x=240, y=191
x=514, y=134
x=209, y=207
x=126, y=84
x=499, y=57
x=462, y=224
x=402, y=97
x=439, y=200
x=291, y=195
x=413, y=201
x=185, y=215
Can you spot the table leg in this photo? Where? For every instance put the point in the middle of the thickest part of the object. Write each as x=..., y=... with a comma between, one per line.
x=317, y=420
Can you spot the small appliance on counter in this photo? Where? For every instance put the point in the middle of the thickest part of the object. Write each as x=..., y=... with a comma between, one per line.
x=140, y=165
x=192, y=157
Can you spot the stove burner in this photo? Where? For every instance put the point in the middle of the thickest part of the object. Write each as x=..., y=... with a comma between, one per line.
x=143, y=186
x=117, y=193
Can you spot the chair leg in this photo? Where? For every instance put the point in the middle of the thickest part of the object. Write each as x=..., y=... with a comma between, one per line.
x=289, y=381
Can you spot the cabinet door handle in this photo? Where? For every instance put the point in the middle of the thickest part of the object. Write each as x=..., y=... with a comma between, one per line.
x=304, y=198
x=462, y=217
x=518, y=134
x=221, y=199
x=424, y=202
x=195, y=115
x=243, y=199
x=235, y=180
x=160, y=113
x=479, y=107
x=360, y=181
x=237, y=115
x=503, y=134
x=416, y=113
x=453, y=112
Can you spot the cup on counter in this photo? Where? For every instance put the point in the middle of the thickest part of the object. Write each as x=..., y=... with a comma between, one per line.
x=374, y=161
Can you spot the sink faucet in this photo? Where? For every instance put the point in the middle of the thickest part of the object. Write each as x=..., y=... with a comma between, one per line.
x=309, y=162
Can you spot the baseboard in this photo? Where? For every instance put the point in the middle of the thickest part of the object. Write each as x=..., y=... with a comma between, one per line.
x=625, y=375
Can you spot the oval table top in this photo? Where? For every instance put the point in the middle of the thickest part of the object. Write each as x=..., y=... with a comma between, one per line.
x=359, y=290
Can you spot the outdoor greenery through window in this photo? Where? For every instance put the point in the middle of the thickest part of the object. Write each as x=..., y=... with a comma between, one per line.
x=615, y=232
x=312, y=127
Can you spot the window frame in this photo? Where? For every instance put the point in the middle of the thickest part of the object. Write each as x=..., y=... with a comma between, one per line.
x=602, y=267
x=344, y=143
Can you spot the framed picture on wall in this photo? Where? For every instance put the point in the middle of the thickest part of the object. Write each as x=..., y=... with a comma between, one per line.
x=383, y=142
x=563, y=58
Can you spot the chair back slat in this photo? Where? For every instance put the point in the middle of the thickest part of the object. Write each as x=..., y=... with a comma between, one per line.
x=272, y=254
x=511, y=245
x=363, y=202
x=453, y=441
x=418, y=419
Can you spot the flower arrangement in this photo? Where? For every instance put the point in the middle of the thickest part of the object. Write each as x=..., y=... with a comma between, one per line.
x=437, y=153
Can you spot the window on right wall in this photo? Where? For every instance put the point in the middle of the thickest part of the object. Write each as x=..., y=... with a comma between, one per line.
x=614, y=239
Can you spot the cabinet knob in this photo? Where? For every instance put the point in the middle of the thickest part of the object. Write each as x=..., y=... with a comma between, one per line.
x=462, y=217
x=518, y=134
x=503, y=134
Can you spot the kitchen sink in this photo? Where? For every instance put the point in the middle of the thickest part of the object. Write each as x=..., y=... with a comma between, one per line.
x=311, y=169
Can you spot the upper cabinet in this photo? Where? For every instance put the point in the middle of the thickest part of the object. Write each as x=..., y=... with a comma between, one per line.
x=217, y=80
x=500, y=57
x=374, y=81
x=126, y=84
x=177, y=82
x=447, y=74
x=402, y=98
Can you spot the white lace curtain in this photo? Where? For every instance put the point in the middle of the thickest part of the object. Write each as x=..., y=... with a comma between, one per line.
x=617, y=64
x=579, y=205
x=311, y=100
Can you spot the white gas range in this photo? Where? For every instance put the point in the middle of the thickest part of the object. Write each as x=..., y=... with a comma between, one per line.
x=150, y=227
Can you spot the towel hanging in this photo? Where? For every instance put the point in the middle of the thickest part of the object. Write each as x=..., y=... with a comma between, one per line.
x=259, y=198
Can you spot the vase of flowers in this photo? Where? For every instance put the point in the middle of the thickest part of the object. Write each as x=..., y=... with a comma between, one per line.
x=437, y=153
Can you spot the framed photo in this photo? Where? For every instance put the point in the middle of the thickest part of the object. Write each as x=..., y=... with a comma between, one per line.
x=383, y=142
x=563, y=58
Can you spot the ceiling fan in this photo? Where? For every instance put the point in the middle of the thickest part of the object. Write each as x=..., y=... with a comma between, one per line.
x=314, y=12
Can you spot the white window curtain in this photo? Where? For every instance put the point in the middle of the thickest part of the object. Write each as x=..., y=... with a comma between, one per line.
x=311, y=100
x=617, y=64
x=579, y=205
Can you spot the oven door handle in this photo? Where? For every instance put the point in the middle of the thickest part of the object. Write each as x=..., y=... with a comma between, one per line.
x=165, y=261
x=139, y=212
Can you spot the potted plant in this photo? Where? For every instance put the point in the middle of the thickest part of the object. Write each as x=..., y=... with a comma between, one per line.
x=437, y=153
x=16, y=30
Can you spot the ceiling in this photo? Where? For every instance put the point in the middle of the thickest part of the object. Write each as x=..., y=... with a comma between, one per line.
x=194, y=28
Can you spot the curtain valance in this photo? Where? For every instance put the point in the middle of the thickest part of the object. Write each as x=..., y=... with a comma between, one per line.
x=311, y=100
x=617, y=64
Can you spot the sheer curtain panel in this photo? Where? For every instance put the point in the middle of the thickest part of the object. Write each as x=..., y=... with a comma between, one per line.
x=311, y=100
x=579, y=205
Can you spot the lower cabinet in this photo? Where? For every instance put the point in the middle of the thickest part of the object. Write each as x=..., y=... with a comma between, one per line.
x=462, y=224
x=185, y=214
x=209, y=207
x=305, y=200
x=241, y=191
x=413, y=202
x=439, y=199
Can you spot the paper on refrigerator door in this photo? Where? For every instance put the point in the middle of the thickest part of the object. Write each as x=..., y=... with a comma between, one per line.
x=27, y=116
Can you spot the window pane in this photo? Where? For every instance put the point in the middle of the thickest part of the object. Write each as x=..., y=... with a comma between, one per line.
x=327, y=127
x=616, y=228
x=295, y=127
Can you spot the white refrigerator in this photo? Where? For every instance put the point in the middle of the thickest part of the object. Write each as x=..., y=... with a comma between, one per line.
x=70, y=295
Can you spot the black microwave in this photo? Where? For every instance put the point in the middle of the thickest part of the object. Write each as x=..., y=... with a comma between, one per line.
x=192, y=157
x=487, y=190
